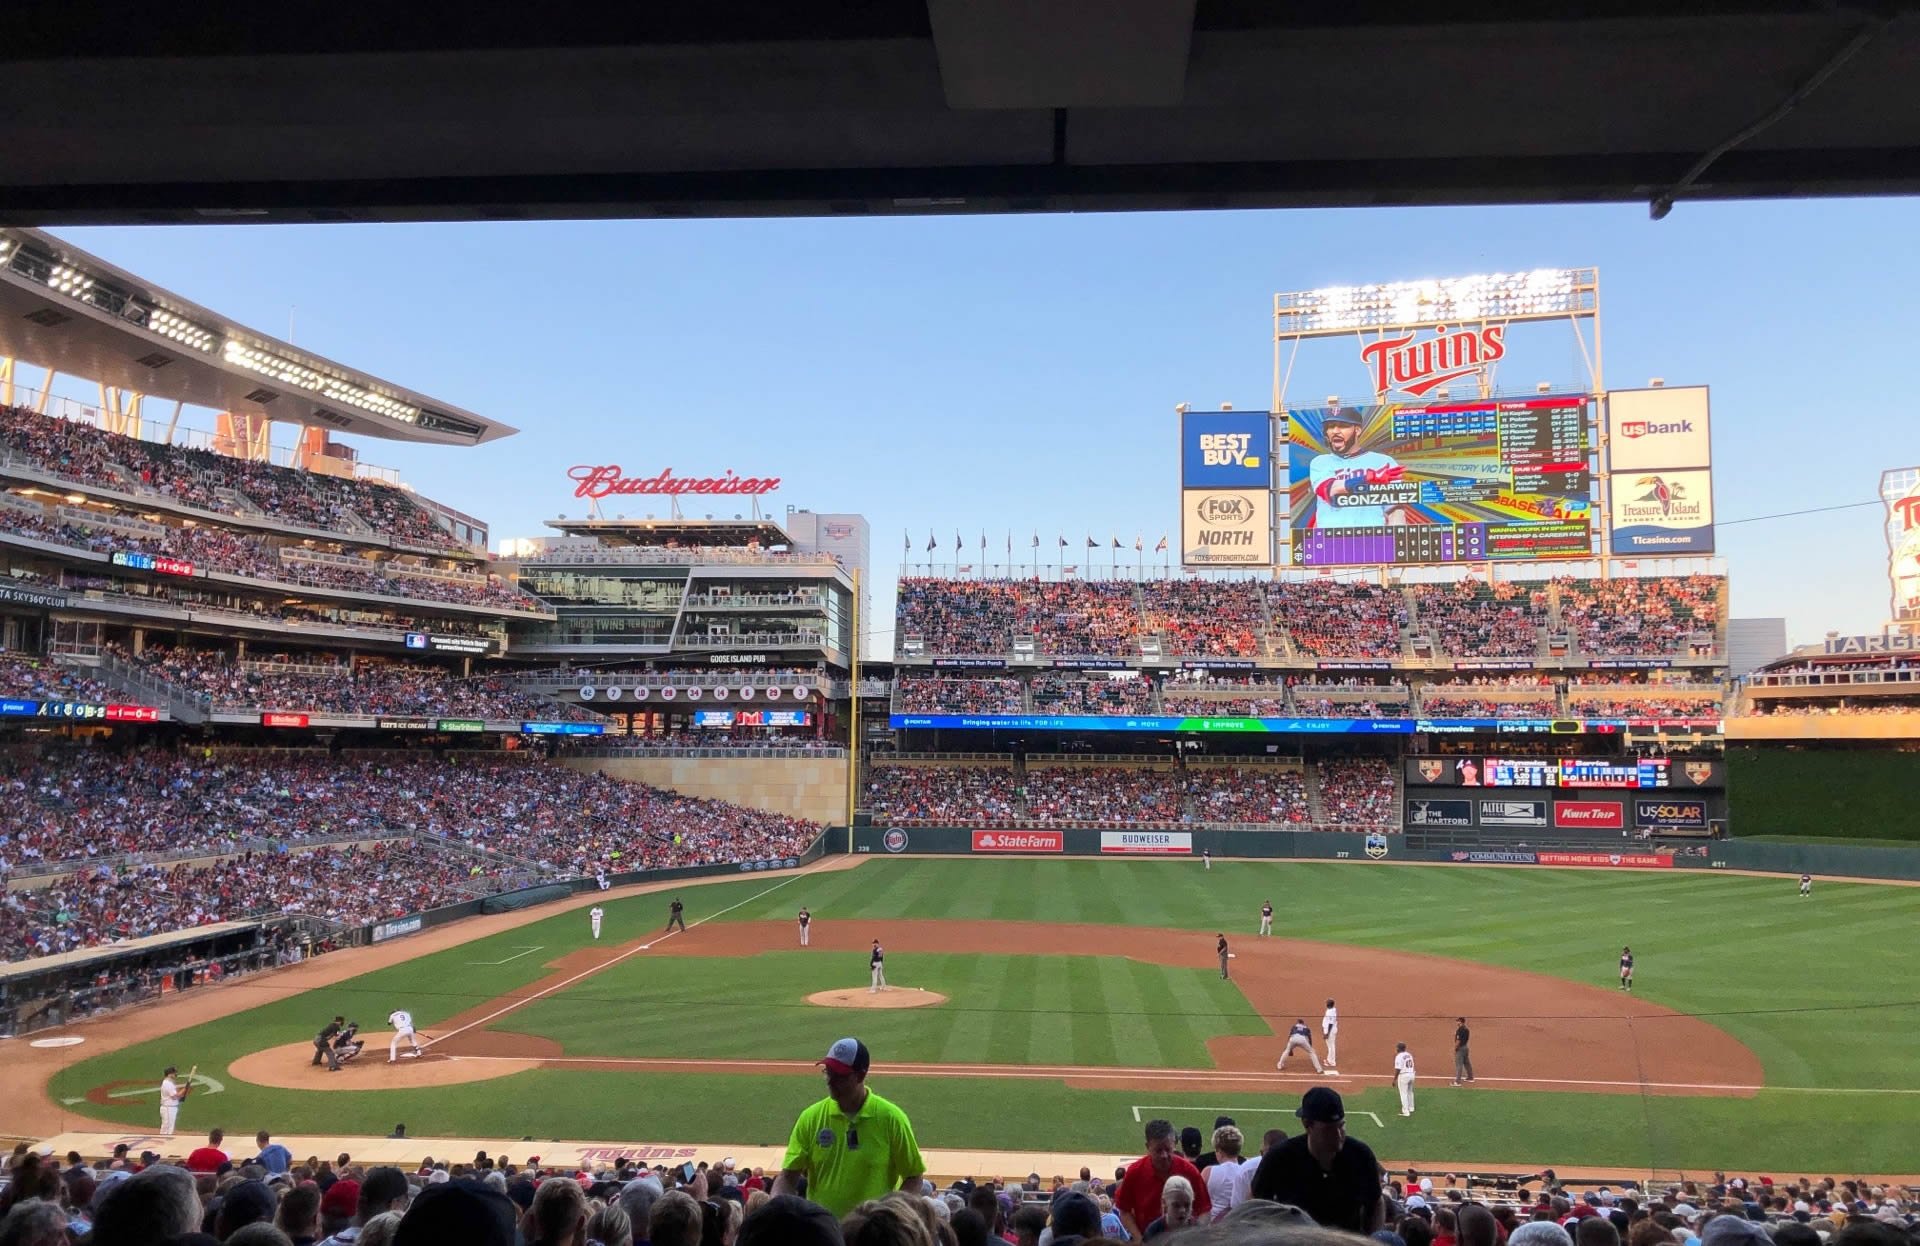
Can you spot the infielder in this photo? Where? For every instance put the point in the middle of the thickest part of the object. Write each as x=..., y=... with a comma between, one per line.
x=1266, y=917
x=806, y=920
x=1222, y=949
x=1403, y=1077
x=1330, y=1030
x=1206, y=857
x=596, y=913
x=402, y=1022
x=171, y=1093
x=877, y=963
x=674, y=915
x=1806, y=885
x=1300, y=1038
x=1626, y=969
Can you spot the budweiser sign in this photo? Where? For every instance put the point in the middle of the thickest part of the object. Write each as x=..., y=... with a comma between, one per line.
x=1398, y=363
x=601, y=482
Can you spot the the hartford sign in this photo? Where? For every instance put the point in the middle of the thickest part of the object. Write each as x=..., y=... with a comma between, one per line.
x=602, y=482
x=1410, y=367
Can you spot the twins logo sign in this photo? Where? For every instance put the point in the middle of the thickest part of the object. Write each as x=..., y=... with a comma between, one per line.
x=894, y=841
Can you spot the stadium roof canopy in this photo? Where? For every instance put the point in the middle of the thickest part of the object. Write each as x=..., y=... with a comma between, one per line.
x=304, y=111
x=65, y=309
x=707, y=532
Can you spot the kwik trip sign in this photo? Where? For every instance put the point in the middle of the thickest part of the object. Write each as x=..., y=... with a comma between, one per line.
x=607, y=481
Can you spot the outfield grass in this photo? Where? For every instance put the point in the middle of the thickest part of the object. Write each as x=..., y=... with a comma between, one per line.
x=1822, y=990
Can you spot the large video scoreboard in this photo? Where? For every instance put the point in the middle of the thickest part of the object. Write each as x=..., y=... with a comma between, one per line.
x=1481, y=481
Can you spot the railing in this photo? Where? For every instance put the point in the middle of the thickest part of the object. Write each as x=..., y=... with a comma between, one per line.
x=811, y=600
x=756, y=640
x=570, y=680
x=294, y=553
x=180, y=702
x=106, y=519
x=1835, y=679
x=641, y=556
x=48, y=870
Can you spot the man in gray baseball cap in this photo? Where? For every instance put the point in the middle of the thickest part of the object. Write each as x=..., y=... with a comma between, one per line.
x=852, y=1145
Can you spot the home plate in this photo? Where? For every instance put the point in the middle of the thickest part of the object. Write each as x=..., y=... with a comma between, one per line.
x=865, y=997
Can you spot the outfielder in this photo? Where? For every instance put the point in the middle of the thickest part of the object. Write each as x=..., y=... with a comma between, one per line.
x=806, y=920
x=1403, y=1077
x=1300, y=1038
x=1806, y=885
x=1626, y=969
x=1330, y=1030
x=171, y=1093
x=1266, y=917
x=596, y=913
x=877, y=963
x=402, y=1022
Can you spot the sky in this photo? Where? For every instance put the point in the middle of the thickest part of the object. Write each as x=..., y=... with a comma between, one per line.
x=1020, y=373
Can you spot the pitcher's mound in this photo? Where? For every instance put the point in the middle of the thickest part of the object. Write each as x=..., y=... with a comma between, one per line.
x=892, y=997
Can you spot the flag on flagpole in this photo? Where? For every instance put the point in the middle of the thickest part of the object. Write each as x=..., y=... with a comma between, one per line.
x=1162, y=547
x=1009, y=543
x=1036, y=538
x=983, y=540
x=930, y=541
x=1091, y=543
x=1139, y=543
x=907, y=542
x=1063, y=542
x=956, y=540
x=1116, y=542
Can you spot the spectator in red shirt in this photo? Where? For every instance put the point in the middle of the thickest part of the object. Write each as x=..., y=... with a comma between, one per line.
x=209, y=1157
x=1138, y=1199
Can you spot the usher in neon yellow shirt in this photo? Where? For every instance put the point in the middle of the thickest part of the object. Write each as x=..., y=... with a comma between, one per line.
x=848, y=1162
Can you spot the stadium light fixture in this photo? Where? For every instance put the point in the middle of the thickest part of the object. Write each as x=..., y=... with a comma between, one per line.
x=314, y=381
x=179, y=329
x=1540, y=294
x=70, y=281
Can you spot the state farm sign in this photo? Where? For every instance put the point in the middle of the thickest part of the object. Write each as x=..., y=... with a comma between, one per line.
x=1589, y=814
x=601, y=482
x=1019, y=841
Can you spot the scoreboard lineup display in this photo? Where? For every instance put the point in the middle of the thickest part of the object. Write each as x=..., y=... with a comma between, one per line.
x=1480, y=481
x=1635, y=773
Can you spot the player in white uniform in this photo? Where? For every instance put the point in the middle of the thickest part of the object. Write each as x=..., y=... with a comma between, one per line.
x=1207, y=856
x=170, y=1097
x=806, y=923
x=1330, y=1030
x=1403, y=1077
x=1806, y=884
x=877, y=963
x=402, y=1022
x=1300, y=1038
x=1266, y=917
x=596, y=913
x=1348, y=471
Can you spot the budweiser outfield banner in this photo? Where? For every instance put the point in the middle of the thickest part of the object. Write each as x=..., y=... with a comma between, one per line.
x=1147, y=843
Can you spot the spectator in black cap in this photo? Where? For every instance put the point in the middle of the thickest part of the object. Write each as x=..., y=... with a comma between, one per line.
x=786, y=1220
x=1333, y=1178
x=463, y=1211
x=1191, y=1141
x=1075, y=1216
x=247, y=1203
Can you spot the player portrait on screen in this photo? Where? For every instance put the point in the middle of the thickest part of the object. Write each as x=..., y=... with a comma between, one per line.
x=1345, y=471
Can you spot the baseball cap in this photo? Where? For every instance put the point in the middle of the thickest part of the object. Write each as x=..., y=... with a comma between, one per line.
x=341, y=1199
x=1341, y=415
x=848, y=1055
x=1322, y=1103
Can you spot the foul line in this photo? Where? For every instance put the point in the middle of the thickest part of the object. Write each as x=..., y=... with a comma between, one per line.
x=587, y=973
x=1110, y=1073
x=1244, y=1111
x=524, y=951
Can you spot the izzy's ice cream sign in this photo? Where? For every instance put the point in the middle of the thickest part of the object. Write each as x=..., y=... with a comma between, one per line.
x=601, y=482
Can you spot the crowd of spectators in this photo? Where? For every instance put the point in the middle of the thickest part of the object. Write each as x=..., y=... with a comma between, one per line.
x=942, y=794
x=1640, y=617
x=1845, y=706
x=938, y=694
x=351, y=884
x=1086, y=618
x=1193, y=705
x=82, y=805
x=237, y=553
x=1327, y=707
x=324, y=683
x=1704, y=705
x=1444, y=705
x=1059, y=693
x=209, y=481
x=1332, y=619
x=1118, y=794
x=1471, y=618
x=24, y=677
x=1248, y=794
x=958, y=616
x=1206, y=618
x=1359, y=792
x=1230, y=1188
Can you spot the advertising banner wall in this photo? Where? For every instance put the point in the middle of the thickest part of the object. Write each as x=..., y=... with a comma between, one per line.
x=1439, y=813
x=1019, y=841
x=1513, y=813
x=1660, y=456
x=1225, y=450
x=1900, y=490
x=1689, y=814
x=1147, y=843
x=1667, y=512
x=1629, y=860
x=1658, y=429
x=1226, y=527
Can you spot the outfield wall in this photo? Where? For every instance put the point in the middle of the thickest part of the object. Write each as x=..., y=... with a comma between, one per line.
x=1838, y=793
x=1835, y=860
x=814, y=788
